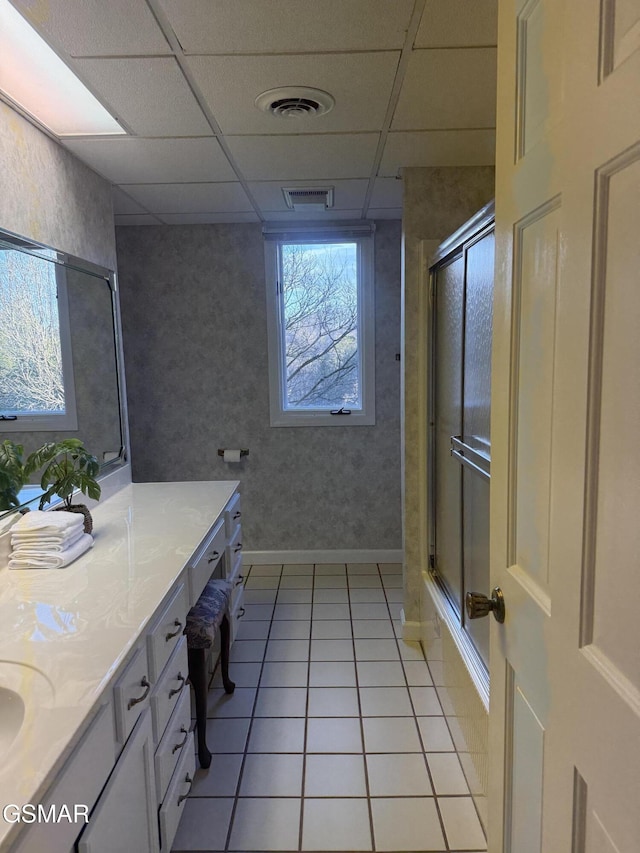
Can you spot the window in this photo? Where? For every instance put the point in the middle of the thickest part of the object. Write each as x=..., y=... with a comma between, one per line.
x=321, y=327
x=36, y=370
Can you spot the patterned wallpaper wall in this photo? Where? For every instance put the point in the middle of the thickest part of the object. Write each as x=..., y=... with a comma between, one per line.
x=195, y=339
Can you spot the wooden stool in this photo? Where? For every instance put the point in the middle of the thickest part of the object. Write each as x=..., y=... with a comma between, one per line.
x=210, y=612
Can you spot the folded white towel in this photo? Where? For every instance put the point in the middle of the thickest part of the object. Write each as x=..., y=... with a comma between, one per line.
x=48, y=522
x=24, y=544
x=54, y=560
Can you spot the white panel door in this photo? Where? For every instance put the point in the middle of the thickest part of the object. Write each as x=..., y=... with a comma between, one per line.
x=565, y=478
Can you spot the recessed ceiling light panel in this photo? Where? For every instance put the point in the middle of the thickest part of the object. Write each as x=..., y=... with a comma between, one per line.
x=292, y=102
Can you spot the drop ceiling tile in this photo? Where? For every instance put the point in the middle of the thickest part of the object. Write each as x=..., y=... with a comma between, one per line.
x=135, y=219
x=305, y=157
x=360, y=83
x=207, y=218
x=96, y=27
x=288, y=26
x=123, y=203
x=311, y=215
x=347, y=194
x=131, y=160
x=191, y=198
x=458, y=22
x=387, y=192
x=149, y=94
x=448, y=89
x=438, y=148
x=384, y=213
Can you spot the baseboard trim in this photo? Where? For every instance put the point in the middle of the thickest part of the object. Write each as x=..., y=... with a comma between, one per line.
x=268, y=558
x=411, y=631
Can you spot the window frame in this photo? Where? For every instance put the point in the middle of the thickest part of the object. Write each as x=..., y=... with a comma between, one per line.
x=364, y=239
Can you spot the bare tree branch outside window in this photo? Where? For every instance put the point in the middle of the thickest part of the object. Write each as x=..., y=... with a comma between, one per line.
x=31, y=378
x=319, y=285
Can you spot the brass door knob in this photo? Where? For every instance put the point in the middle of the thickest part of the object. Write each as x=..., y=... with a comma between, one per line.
x=478, y=605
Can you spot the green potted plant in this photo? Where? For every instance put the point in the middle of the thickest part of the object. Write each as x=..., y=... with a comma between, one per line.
x=67, y=466
x=13, y=475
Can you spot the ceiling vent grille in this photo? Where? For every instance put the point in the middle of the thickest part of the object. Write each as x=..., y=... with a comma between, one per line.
x=292, y=102
x=308, y=198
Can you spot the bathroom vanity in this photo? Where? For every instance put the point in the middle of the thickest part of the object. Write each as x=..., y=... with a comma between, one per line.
x=96, y=654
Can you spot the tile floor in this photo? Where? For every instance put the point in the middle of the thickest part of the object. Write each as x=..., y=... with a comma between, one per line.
x=335, y=738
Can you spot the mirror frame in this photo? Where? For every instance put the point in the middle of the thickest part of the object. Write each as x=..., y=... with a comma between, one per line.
x=65, y=259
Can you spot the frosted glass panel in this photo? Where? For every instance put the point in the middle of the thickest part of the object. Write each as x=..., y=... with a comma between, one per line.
x=476, y=552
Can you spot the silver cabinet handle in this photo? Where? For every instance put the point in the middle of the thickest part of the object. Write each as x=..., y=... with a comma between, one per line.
x=172, y=634
x=182, y=797
x=182, y=742
x=181, y=678
x=240, y=579
x=241, y=612
x=237, y=515
x=238, y=547
x=143, y=683
x=214, y=556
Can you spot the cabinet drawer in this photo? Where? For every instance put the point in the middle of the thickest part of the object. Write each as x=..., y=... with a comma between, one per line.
x=169, y=689
x=203, y=567
x=179, y=787
x=233, y=514
x=237, y=613
x=165, y=635
x=131, y=695
x=173, y=742
x=234, y=555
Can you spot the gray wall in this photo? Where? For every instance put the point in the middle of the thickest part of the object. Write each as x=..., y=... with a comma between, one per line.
x=195, y=339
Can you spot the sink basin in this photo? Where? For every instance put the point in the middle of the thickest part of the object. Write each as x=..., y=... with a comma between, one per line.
x=24, y=690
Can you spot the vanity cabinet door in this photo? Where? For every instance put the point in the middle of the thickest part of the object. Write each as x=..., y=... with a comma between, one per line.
x=125, y=817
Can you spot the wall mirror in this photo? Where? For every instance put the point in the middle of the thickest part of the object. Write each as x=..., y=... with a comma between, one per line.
x=60, y=373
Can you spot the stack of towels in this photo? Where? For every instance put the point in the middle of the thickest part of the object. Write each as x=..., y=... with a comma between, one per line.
x=48, y=540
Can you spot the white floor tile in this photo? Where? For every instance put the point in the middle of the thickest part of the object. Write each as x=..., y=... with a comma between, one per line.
x=334, y=734
x=336, y=824
x=253, y=631
x=391, y=734
x=380, y=673
x=269, y=571
x=425, y=701
x=296, y=582
x=290, y=629
x=331, y=629
x=395, y=596
x=277, y=734
x=330, y=581
x=385, y=702
x=220, y=780
x=330, y=569
x=295, y=596
x=284, y=674
x=410, y=651
x=445, y=701
x=244, y=675
x=258, y=612
x=436, y=668
x=369, y=610
x=362, y=568
x=281, y=702
x=236, y=704
x=330, y=611
x=435, y=734
x=406, y=824
x=259, y=582
x=417, y=673
x=331, y=650
x=371, y=581
x=292, y=611
x=271, y=775
x=266, y=823
x=376, y=650
x=446, y=773
x=461, y=823
x=366, y=596
x=392, y=581
x=298, y=569
x=374, y=629
x=403, y=774
x=287, y=650
x=334, y=776
x=332, y=674
x=333, y=702
x=260, y=596
x=331, y=596
x=247, y=650
x=204, y=824
x=227, y=735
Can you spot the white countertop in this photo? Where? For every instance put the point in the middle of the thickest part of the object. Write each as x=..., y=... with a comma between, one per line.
x=76, y=625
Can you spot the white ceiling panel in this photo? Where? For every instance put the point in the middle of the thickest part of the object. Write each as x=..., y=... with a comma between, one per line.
x=136, y=219
x=384, y=213
x=387, y=192
x=190, y=198
x=438, y=148
x=122, y=203
x=360, y=83
x=96, y=27
x=132, y=160
x=312, y=215
x=207, y=218
x=448, y=89
x=149, y=94
x=453, y=23
x=348, y=195
x=288, y=26
x=289, y=158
